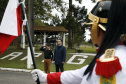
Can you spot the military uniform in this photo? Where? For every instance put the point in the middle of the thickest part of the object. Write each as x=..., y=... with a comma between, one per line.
x=109, y=64
x=77, y=77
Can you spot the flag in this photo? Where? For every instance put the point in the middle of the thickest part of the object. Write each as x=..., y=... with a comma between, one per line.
x=11, y=24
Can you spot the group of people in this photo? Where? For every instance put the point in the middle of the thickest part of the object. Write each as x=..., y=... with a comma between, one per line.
x=107, y=21
x=58, y=58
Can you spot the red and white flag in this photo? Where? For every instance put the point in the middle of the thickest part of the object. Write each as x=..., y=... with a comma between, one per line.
x=11, y=24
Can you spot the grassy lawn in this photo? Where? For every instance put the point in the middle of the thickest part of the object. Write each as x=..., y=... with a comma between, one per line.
x=87, y=49
x=17, y=63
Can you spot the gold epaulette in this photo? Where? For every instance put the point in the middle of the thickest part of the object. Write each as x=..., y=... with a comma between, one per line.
x=109, y=65
x=109, y=55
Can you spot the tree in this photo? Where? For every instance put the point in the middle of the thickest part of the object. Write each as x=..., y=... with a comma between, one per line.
x=38, y=22
x=79, y=15
x=3, y=4
x=70, y=40
x=70, y=37
x=55, y=21
x=43, y=8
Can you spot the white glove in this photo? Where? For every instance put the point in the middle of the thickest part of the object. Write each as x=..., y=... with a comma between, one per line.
x=39, y=74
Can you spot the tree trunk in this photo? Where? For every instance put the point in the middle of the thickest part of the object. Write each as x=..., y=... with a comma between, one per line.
x=72, y=37
x=17, y=42
x=31, y=19
x=70, y=28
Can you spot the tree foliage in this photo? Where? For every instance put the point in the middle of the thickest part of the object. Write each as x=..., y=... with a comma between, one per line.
x=3, y=4
x=38, y=22
x=71, y=34
x=43, y=8
x=55, y=21
x=79, y=15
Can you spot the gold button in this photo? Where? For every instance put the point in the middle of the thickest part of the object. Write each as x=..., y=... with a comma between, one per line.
x=102, y=4
x=95, y=20
x=100, y=9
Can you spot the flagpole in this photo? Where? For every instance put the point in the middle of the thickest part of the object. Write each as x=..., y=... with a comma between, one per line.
x=29, y=38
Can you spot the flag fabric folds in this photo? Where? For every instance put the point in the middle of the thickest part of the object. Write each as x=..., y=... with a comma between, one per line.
x=11, y=24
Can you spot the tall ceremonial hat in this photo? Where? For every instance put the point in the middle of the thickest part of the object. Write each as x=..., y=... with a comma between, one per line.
x=115, y=27
x=98, y=17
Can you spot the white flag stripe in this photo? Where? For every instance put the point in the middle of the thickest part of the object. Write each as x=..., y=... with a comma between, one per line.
x=10, y=16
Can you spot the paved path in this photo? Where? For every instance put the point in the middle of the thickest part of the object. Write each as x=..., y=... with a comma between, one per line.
x=11, y=77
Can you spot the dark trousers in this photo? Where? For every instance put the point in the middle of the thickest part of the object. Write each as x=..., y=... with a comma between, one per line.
x=59, y=67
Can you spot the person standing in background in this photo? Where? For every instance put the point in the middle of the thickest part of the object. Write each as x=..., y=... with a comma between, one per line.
x=59, y=56
x=48, y=56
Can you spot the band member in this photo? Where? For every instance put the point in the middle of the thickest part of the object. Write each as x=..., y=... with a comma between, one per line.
x=108, y=27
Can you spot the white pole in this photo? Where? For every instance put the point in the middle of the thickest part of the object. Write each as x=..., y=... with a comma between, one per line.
x=40, y=40
x=44, y=43
x=64, y=39
x=23, y=41
x=29, y=58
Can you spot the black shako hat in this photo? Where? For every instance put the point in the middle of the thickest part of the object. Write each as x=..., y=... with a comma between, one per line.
x=98, y=17
x=99, y=14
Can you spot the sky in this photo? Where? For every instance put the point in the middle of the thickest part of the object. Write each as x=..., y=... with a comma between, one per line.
x=87, y=3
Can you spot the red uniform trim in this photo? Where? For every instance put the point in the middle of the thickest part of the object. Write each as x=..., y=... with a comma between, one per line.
x=54, y=78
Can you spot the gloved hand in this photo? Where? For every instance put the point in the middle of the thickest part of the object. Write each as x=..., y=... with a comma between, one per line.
x=39, y=74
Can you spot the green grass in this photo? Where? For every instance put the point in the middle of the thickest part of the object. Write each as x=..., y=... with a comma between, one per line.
x=16, y=63
x=88, y=49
